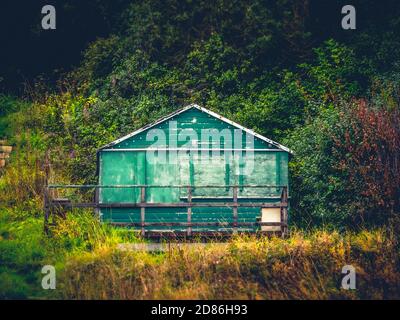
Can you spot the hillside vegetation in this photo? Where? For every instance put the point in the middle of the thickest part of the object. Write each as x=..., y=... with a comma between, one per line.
x=333, y=98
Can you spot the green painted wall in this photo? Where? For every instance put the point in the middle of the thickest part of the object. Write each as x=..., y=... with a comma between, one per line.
x=127, y=167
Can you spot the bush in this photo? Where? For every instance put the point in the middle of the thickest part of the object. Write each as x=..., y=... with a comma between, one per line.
x=345, y=170
x=318, y=188
x=368, y=151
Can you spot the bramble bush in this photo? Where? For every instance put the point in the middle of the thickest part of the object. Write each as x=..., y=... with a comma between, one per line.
x=345, y=171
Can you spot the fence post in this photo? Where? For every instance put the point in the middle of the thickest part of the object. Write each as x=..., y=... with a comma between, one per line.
x=46, y=210
x=96, y=201
x=189, y=212
x=46, y=205
x=284, y=208
x=235, y=208
x=142, y=209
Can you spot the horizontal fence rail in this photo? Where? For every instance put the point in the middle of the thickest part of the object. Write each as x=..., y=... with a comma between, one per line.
x=171, y=205
x=52, y=205
x=94, y=186
x=199, y=224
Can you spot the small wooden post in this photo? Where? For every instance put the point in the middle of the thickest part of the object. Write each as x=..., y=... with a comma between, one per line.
x=46, y=203
x=284, y=208
x=142, y=209
x=189, y=212
x=235, y=208
x=46, y=210
x=96, y=201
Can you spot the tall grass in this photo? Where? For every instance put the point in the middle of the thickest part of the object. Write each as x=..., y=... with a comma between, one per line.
x=301, y=267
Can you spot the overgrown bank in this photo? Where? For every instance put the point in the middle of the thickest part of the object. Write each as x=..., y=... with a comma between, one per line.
x=89, y=265
x=333, y=99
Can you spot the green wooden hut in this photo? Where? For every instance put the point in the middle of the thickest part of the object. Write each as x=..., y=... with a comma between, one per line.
x=194, y=171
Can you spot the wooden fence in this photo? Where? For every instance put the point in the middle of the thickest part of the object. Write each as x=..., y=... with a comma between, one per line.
x=59, y=206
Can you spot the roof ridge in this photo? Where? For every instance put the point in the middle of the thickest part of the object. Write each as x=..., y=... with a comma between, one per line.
x=212, y=113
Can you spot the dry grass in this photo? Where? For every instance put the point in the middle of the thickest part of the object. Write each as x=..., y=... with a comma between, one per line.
x=301, y=267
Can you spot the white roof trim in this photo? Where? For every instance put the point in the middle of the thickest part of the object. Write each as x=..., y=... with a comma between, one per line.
x=259, y=136
x=134, y=133
x=215, y=115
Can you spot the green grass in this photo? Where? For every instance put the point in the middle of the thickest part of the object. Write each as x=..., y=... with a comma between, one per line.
x=25, y=249
x=23, y=252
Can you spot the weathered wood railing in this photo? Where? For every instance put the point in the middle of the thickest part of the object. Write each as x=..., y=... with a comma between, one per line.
x=52, y=205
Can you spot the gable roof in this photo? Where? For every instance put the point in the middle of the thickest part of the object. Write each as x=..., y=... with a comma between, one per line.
x=215, y=115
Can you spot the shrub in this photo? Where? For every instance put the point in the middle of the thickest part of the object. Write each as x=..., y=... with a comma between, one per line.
x=345, y=170
x=368, y=150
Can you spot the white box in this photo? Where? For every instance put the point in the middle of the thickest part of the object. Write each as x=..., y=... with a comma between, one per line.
x=270, y=215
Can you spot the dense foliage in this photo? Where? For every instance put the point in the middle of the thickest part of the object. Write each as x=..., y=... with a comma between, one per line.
x=264, y=64
x=283, y=68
